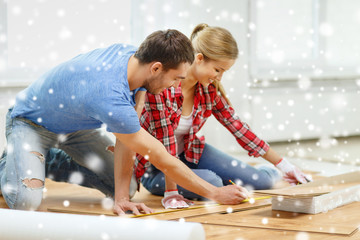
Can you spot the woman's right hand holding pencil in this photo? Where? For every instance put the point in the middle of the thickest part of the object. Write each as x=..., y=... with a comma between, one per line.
x=231, y=194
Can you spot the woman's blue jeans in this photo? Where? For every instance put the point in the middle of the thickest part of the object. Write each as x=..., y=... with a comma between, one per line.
x=217, y=168
x=33, y=152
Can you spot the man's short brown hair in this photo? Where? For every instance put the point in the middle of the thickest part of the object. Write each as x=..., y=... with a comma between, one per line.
x=170, y=47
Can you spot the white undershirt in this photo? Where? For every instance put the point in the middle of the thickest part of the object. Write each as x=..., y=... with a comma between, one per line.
x=182, y=129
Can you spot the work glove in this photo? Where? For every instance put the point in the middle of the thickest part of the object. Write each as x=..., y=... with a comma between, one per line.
x=172, y=199
x=292, y=174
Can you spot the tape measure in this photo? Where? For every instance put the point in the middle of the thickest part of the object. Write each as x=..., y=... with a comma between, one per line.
x=196, y=207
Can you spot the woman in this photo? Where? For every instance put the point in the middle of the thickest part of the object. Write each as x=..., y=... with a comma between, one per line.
x=176, y=115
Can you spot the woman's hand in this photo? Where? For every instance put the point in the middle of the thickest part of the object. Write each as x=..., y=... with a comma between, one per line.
x=231, y=194
x=292, y=174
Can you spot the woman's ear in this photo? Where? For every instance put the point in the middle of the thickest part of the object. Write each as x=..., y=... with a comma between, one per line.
x=156, y=67
x=199, y=57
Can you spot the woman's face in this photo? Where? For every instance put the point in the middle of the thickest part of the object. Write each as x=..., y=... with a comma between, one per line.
x=208, y=71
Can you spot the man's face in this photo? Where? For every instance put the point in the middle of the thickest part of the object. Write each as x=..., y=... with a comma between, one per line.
x=161, y=80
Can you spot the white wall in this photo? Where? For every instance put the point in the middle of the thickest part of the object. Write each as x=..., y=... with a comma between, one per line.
x=184, y=16
x=290, y=113
x=42, y=34
x=7, y=95
x=281, y=112
x=39, y=34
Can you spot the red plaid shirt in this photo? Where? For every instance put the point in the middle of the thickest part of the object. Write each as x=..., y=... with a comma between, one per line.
x=161, y=116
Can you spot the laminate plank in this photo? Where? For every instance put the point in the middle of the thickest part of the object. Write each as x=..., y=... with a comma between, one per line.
x=221, y=232
x=317, y=187
x=344, y=220
x=196, y=210
x=200, y=210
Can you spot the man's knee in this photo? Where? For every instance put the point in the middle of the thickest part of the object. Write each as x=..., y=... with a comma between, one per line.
x=30, y=196
x=33, y=183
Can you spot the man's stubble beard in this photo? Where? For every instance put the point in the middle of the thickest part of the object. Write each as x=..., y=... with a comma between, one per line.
x=149, y=87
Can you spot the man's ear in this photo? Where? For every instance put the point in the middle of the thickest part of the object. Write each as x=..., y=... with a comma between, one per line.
x=156, y=67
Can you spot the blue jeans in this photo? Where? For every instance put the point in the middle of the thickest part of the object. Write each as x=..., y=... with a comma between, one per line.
x=33, y=152
x=217, y=168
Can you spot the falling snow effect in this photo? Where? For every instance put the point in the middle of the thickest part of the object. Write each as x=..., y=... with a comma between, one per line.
x=302, y=236
x=107, y=203
x=94, y=163
x=229, y=210
x=304, y=80
x=76, y=178
x=66, y=203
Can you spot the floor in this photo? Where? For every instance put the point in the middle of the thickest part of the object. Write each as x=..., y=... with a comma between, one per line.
x=336, y=150
x=328, y=156
x=318, y=161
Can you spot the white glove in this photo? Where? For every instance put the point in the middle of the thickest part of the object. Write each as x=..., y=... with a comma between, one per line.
x=172, y=199
x=292, y=174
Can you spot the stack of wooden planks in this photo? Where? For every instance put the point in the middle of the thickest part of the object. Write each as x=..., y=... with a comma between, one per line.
x=319, y=196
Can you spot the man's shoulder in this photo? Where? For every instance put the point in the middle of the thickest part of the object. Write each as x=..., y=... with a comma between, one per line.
x=119, y=49
x=122, y=48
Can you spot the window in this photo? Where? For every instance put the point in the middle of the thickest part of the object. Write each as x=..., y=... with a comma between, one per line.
x=315, y=39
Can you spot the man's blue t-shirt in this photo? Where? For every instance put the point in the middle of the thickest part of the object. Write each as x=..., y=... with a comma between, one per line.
x=83, y=93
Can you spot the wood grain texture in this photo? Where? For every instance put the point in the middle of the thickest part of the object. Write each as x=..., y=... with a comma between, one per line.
x=209, y=209
x=317, y=187
x=344, y=220
x=221, y=232
x=196, y=210
x=78, y=196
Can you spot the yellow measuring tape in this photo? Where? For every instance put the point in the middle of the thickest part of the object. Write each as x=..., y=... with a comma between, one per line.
x=258, y=198
x=196, y=207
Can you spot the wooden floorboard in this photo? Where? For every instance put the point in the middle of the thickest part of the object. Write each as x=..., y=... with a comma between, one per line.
x=343, y=220
x=60, y=195
x=221, y=232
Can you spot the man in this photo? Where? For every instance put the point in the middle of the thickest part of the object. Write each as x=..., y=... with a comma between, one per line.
x=66, y=107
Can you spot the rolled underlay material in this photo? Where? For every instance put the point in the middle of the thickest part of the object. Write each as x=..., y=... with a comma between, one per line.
x=16, y=224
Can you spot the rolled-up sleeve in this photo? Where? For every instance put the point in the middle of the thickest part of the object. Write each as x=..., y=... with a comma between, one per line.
x=225, y=114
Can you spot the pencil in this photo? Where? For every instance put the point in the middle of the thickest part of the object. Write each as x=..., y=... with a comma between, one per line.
x=231, y=182
x=248, y=199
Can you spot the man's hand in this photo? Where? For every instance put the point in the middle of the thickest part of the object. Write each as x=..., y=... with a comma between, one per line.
x=292, y=174
x=121, y=206
x=231, y=194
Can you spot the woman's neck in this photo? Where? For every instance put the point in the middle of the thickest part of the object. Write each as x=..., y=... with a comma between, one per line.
x=189, y=82
x=188, y=90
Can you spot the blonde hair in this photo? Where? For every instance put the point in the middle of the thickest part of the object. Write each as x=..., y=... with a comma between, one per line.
x=214, y=43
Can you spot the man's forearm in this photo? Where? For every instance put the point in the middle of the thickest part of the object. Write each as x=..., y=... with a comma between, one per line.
x=123, y=169
x=145, y=144
x=124, y=157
